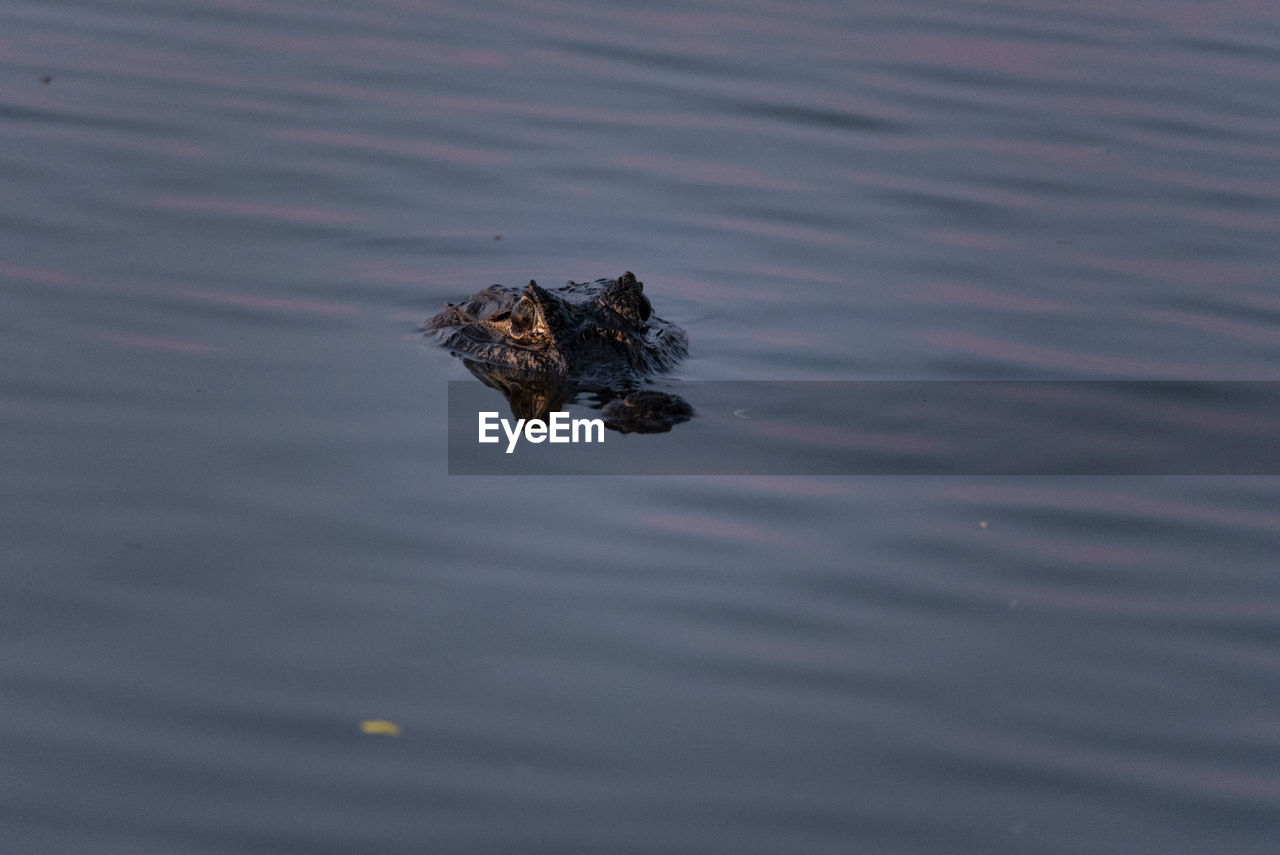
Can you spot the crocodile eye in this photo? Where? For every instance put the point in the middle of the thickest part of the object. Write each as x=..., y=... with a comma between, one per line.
x=522, y=317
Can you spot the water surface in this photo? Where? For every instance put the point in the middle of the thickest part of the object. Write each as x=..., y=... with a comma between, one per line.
x=228, y=532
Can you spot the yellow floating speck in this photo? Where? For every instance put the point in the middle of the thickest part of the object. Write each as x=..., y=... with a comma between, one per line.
x=380, y=727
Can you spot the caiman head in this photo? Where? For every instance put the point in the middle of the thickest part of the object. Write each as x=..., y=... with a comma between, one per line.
x=540, y=332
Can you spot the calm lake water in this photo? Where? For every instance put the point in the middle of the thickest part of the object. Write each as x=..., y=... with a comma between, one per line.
x=227, y=532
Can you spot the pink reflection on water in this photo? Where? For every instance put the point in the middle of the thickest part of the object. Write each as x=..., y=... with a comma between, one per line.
x=1144, y=606
x=146, y=342
x=1016, y=59
x=845, y=439
x=287, y=304
x=771, y=487
x=477, y=58
x=1053, y=497
x=726, y=285
x=1058, y=359
x=389, y=273
x=426, y=149
x=410, y=316
x=286, y=213
x=1253, y=333
x=727, y=530
x=1183, y=270
x=800, y=234
x=950, y=191
x=1090, y=157
x=800, y=274
x=1228, y=217
x=957, y=294
x=1078, y=551
x=1173, y=778
x=40, y=275
x=709, y=172
x=970, y=239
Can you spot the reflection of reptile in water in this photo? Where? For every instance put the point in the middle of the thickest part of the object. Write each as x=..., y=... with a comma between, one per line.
x=543, y=348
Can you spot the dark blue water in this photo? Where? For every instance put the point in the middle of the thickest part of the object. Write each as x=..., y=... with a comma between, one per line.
x=227, y=535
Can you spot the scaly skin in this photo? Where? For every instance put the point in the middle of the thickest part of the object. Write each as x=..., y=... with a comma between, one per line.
x=599, y=333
